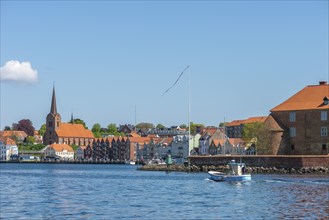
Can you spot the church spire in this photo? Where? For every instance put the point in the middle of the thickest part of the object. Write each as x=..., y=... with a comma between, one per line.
x=53, y=108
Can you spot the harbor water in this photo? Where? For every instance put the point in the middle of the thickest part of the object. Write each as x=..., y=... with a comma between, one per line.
x=103, y=191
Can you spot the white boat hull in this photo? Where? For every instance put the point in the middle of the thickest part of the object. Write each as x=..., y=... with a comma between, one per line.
x=218, y=176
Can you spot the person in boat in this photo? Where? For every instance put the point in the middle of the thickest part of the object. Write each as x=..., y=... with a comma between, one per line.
x=243, y=169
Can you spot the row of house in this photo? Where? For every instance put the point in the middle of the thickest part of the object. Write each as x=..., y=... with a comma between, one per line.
x=298, y=125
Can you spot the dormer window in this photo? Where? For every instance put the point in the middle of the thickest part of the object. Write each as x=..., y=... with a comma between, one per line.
x=325, y=100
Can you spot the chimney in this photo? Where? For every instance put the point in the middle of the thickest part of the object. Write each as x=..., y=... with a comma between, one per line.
x=321, y=83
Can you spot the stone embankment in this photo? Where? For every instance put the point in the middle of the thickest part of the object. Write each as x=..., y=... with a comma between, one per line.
x=252, y=169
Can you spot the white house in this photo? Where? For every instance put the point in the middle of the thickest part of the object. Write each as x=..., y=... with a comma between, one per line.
x=8, y=148
x=61, y=150
x=180, y=147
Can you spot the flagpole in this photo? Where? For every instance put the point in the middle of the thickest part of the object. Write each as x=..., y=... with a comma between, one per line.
x=189, y=109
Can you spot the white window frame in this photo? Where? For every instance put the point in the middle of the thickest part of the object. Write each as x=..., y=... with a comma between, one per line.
x=324, y=115
x=292, y=132
x=292, y=116
x=324, y=131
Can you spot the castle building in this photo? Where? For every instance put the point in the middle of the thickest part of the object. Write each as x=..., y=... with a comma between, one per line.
x=301, y=122
x=64, y=133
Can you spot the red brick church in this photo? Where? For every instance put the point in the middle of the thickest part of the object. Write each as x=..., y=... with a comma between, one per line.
x=64, y=133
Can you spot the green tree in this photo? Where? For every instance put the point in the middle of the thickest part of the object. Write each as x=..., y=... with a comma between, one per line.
x=259, y=134
x=97, y=130
x=145, y=126
x=7, y=128
x=79, y=121
x=30, y=140
x=194, y=128
x=160, y=126
x=184, y=126
x=222, y=124
x=42, y=129
x=112, y=129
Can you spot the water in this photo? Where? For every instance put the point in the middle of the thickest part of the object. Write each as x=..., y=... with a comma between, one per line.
x=87, y=191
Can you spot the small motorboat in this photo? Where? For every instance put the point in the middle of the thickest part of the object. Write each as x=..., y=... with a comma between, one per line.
x=236, y=173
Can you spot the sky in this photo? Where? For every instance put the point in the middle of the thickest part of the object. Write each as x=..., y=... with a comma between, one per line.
x=111, y=61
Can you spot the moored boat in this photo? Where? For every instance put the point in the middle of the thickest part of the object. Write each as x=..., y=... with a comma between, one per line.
x=236, y=173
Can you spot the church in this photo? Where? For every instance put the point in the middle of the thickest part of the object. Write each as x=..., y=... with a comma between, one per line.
x=64, y=133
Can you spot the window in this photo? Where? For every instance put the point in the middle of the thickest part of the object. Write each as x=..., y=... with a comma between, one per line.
x=292, y=116
x=324, y=116
x=324, y=147
x=292, y=132
x=292, y=147
x=324, y=131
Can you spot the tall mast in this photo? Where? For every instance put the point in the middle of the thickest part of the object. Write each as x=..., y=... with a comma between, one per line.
x=189, y=108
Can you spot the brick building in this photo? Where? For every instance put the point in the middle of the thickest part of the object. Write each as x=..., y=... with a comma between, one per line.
x=64, y=133
x=300, y=124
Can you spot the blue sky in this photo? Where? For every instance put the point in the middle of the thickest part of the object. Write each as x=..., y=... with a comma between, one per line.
x=106, y=57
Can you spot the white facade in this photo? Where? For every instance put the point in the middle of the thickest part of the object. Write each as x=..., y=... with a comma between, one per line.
x=6, y=151
x=180, y=147
x=63, y=153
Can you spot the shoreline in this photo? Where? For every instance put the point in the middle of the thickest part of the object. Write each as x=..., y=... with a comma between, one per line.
x=250, y=169
x=195, y=168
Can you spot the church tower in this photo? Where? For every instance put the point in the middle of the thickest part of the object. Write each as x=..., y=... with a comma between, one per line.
x=53, y=121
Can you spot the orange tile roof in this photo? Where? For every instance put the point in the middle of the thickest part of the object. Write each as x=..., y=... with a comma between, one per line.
x=234, y=123
x=309, y=98
x=13, y=133
x=61, y=147
x=7, y=141
x=73, y=130
x=249, y=120
x=255, y=119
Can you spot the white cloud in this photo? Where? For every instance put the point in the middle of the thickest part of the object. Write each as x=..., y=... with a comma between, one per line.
x=16, y=71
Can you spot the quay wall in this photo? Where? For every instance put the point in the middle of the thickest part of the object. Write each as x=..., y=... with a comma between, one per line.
x=278, y=161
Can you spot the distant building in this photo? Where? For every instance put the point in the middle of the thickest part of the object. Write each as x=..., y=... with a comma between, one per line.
x=300, y=124
x=234, y=129
x=17, y=136
x=180, y=146
x=60, y=150
x=64, y=133
x=126, y=129
x=209, y=134
x=8, y=149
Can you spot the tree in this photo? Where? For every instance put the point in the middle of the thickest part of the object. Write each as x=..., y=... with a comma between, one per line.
x=112, y=129
x=184, y=126
x=258, y=132
x=79, y=121
x=42, y=129
x=195, y=127
x=30, y=140
x=160, y=126
x=222, y=124
x=96, y=130
x=145, y=126
x=7, y=128
x=24, y=125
